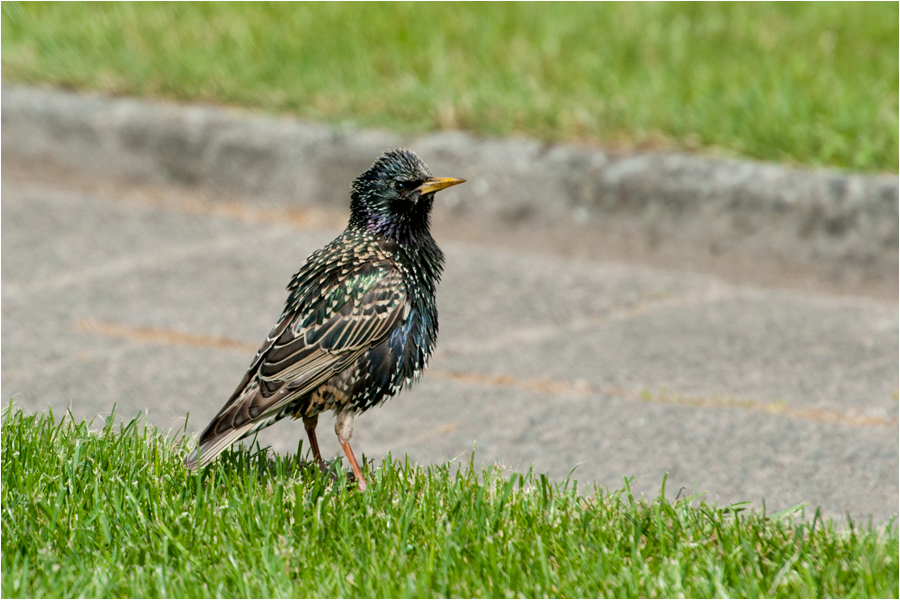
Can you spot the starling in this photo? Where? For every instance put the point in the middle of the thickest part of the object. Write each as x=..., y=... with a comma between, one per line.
x=360, y=320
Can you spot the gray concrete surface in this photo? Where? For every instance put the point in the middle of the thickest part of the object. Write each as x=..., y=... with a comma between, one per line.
x=840, y=227
x=154, y=299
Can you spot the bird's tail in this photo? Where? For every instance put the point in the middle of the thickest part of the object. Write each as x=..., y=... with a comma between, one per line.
x=213, y=447
x=244, y=414
x=213, y=444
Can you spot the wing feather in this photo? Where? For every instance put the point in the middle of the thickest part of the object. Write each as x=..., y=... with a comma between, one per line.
x=333, y=315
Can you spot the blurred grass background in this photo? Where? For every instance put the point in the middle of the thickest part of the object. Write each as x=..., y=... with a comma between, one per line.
x=811, y=83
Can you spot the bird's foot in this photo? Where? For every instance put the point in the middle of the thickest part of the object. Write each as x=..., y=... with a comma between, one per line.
x=360, y=481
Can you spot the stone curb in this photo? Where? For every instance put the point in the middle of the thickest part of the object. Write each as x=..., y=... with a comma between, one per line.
x=835, y=222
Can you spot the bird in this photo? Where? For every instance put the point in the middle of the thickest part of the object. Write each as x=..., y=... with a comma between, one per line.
x=360, y=320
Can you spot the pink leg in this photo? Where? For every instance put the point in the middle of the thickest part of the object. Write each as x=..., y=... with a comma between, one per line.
x=353, y=464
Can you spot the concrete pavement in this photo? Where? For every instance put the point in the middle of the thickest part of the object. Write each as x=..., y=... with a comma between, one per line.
x=735, y=217
x=155, y=301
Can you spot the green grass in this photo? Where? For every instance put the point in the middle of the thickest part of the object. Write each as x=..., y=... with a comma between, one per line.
x=813, y=83
x=114, y=513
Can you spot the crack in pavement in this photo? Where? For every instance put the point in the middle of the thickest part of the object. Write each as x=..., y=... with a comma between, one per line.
x=163, y=337
x=618, y=312
x=189, y=203
x=16, y=291
x=168, y=337
x=584, y=388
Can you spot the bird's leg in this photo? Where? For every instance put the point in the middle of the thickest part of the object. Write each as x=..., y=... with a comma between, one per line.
x=353, y=464
x=310, y=426
x=343, y=427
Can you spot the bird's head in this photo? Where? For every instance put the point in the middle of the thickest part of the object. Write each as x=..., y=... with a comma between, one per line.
x=393, y=197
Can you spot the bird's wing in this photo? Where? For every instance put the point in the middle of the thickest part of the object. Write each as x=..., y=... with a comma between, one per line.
x=331, y=318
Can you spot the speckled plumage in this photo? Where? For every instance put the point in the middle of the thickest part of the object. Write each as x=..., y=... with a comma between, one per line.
x=360, y=320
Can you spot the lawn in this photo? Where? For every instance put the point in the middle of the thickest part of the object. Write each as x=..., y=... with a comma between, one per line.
x=809, y=83
x=111, y=511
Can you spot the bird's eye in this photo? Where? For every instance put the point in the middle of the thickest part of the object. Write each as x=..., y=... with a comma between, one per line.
x=404, y=186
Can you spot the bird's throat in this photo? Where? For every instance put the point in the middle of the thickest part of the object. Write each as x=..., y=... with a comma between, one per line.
x=407, y=232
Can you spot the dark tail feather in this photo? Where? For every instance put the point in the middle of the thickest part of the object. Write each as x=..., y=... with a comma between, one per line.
x=213, y=447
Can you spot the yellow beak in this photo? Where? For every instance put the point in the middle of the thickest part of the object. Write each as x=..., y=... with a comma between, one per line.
x=438, y=183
